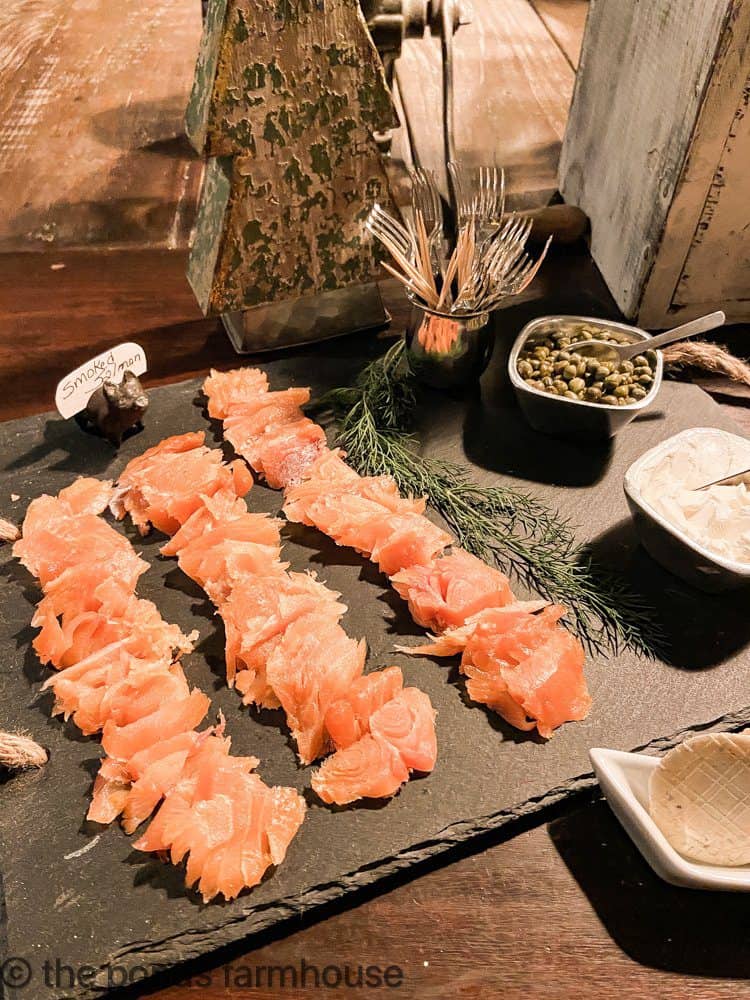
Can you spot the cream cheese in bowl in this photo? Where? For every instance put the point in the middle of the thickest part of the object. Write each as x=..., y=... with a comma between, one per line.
x=717, y=518
x=709, y=529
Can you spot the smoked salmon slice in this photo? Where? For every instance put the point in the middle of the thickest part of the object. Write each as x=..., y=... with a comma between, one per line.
x=119, y=691
x=219, y=509
x=329, y=475
x=148, y=777
x=259, y=610
x=370, y=768
x=225, y=389
x=407, y=722
x=55, y=539
x=122, y=742
x=110, y=794
x=394, y=540
x=226, y=824
x=273, y=436
x=348, y=718
x=549, y=684
x=378, y=723
x=446, y=592
x=288, y=452
x=521, y=663
x=72, y=638
x=306, y=694
x=87, y=495
x=166, y=484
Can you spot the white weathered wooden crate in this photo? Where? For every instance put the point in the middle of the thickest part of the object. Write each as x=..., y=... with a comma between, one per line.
x=657, y=153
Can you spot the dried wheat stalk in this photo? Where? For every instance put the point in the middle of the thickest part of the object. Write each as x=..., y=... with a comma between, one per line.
x=708, y=357
x=8, y=531
x=17, y=751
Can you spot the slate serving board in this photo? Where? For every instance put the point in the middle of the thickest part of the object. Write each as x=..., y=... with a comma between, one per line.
x=77, y=892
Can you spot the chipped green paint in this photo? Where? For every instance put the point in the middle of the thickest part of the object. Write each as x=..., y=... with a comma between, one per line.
x=292, y=10
x=320, y=161
x=254, y=76
x=343, y=131
x=271, y=133
x=240, y=32
x=197, y=114
x=253, y=233
x=233, y=96
x=322, y=50
x=276, y=76
x=318, y=200
x=295, y=104
x=285, y=122
x=266, y=249
x=301, y=277
x=209, y=229
x=298, y=182
x=243, y=132
x=339, y=55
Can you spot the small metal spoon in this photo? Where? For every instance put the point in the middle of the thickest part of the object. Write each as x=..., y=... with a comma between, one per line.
x=604, y=350
x=734, y=480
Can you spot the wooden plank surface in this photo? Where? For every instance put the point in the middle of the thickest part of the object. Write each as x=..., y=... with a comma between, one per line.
x=513, y=90
x=565, y=20
x=567, y=910
x=92, y=96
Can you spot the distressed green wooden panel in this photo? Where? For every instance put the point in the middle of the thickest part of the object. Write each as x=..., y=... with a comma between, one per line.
x=197, y=115
x=209, y=227
x=287, y=68
x=281, y=234
x=297, y=95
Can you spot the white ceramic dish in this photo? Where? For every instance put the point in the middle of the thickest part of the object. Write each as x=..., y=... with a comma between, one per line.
x=668, y=544
x=623, y=778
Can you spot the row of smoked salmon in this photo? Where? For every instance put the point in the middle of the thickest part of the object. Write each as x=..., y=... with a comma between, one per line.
x=516, y=657
x=285, y=647
x=118, y=673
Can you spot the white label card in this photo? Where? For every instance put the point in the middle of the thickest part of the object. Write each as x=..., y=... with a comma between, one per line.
x=74, y=391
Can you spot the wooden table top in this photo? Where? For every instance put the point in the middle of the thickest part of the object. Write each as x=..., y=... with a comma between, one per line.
x=566, y=907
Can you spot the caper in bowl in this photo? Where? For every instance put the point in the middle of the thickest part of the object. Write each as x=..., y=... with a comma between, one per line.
x=566, y=393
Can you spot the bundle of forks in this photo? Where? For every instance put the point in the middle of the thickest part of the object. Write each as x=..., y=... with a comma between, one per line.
x=488, y=261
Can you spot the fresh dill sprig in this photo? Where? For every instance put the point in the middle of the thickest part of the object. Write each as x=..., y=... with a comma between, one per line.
x=499, y=524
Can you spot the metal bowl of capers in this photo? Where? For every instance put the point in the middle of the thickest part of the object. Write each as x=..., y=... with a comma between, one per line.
x=566, y=394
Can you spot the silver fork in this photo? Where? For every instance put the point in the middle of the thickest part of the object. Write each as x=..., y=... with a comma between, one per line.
x=388, y=230
x=425, y=199
x=494, y=261
x=502, y=251
x=503, y=267
x=522, y=276
x=463, y=199
x=491, y=202
x=479, y=197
